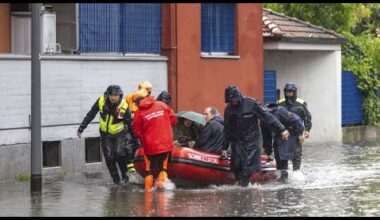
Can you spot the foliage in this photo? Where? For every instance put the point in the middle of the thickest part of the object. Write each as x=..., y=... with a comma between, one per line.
x=369, y=24
x=24, y=177
x=339, y=17
x=63, y=173
x=362, y=56
x=356, y=22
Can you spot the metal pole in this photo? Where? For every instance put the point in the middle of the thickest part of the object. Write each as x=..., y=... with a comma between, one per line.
x=36, y=151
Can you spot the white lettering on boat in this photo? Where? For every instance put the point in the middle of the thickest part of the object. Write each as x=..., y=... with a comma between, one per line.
x=203, y=158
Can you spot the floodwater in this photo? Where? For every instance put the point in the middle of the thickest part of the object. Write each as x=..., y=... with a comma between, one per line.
x=335, y=180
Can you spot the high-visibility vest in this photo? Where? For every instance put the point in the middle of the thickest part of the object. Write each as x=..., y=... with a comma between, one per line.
x=296, y=107
x=301, y=101
x=107, y=123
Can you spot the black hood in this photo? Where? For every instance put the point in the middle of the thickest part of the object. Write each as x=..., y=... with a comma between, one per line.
x=232, y=93
x=219, y=119
x=290, y=87
x=165, y=97
x=113, y=90
x=272, y=107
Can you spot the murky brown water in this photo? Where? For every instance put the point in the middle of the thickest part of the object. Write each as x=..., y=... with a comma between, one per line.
x=335, y=180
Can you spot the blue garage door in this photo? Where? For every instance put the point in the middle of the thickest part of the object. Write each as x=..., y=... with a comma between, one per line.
x=352, y=100
x=270, y=86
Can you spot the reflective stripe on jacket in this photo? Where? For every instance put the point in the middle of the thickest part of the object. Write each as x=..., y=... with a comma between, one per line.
x=108, y=123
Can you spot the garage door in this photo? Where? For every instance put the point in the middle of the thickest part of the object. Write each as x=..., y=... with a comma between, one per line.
x=270, y=86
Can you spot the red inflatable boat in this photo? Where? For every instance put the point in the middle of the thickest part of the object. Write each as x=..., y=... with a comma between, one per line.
x=189, y=167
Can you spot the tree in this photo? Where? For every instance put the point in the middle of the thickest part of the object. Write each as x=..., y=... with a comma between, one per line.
x=340, y=17
x=369, y=24
x=361, y=53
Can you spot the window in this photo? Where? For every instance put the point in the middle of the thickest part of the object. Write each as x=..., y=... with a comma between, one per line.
x=120, y=28
x=51, y=153
x=24, y=7
x=66, y=26
x=92, y=146
x=218, y=28
x=21, y=28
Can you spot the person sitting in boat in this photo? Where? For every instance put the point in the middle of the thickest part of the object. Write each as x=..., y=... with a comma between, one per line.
x=186, y=132
x=283, y=149
x=211, y=137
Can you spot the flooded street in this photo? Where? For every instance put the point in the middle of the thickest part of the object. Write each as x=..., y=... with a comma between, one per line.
x=335, y=180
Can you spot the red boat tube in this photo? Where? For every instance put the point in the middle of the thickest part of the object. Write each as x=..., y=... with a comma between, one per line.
x=192, y=167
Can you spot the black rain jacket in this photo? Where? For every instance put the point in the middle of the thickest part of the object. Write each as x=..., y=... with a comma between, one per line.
x=241, y=130
x=292, y=122
x=211, y=137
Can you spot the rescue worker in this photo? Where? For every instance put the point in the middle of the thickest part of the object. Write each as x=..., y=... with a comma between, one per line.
x=241, y=130
x=211, y=137
x=164, y=97
x=283, y=150
x=143, y=87
x=298, y=106
x=114, y=116
x=152, y=124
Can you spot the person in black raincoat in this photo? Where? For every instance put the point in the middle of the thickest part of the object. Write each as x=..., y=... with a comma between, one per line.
x=298, y=106
x=211, y=137
x=241, y=130
x=283, y=149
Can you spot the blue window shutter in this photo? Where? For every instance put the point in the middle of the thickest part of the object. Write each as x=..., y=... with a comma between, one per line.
x=98, y=27
x=218, y=27
x=352, y=100
x=270, y=86
x=120, y=27
x=142, y=28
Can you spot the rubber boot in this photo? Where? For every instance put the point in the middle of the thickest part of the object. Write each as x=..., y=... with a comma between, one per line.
x=124, y=178
x=284, y=176
x=245, y=181
x=148, y=182
x=162, y=177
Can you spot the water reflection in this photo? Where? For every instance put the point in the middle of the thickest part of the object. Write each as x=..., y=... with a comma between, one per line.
x=117, y=201
x=290, y=199
x=132, y=200
x=36, y=204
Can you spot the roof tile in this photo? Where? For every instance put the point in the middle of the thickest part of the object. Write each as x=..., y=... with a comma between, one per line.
x=277, y=25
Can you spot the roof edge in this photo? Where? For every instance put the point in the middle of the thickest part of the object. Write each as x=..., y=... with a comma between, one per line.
x=307, y=40
x=304, y=22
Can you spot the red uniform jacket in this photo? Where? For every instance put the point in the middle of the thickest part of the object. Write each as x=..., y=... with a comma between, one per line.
x=152, y=124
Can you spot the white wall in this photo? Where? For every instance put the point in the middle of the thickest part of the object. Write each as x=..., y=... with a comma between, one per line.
x=70, y=86
x=317, y=75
